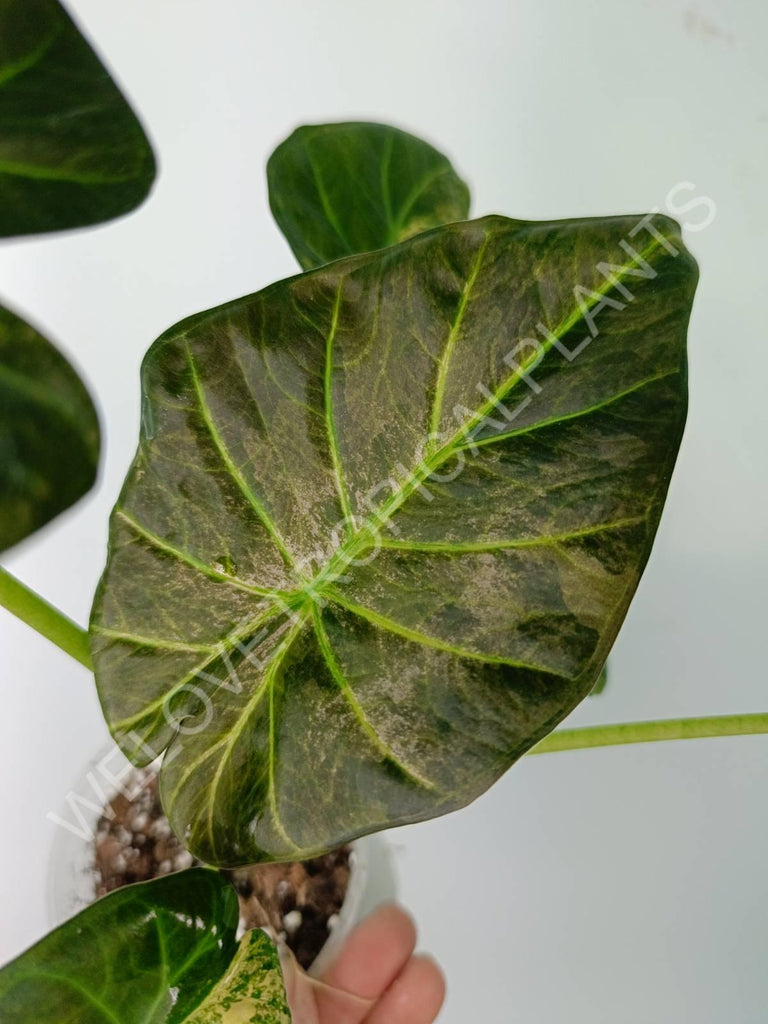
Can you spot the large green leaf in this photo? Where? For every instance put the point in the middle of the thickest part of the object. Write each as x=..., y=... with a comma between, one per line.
x=71, y=150
x=374, y=546
x=340, y=189
x=49, y=431
x=162, y=952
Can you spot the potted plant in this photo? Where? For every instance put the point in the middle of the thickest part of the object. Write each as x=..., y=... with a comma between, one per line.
x=383, y=524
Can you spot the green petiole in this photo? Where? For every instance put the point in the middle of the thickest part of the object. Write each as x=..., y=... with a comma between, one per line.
x=28, y=606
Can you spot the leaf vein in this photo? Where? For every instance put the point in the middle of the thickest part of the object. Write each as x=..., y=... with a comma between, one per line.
x=453, y=334
x=192, y=561
x=552, y=540
x=333, y=441
x=415, y=636
x=232, y=469
x=348, y=693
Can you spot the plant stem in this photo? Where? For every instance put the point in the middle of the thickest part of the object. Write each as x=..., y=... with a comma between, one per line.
x=652, y=732
x=43, y=617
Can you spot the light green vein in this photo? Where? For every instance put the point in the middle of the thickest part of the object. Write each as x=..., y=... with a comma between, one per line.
x=190, y=769
x=69, y=982
x=226, y=645
x=161, y=994
x=195, y=563
x=232, y=468
x=39, y=173
x=264, y=351
x=391, y=626
x=333, y=442
x=164, y=981
x=453, y=334
x=349, y=695
x=416, y=192
x=565, y=418
x=563, y=328
x=551, y=540
x=279, y=656
x=199, y=950
x=10, y=70
x=157, y=643
x=325, y=201
x=265, y=689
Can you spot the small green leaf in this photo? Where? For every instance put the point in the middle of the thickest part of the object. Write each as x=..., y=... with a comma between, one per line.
x=71, y=149
x=340, y=189
x=49, y=432
x=377, y=541
x=161, y=952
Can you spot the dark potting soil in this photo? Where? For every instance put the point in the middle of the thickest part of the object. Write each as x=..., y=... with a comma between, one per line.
x=298, y=902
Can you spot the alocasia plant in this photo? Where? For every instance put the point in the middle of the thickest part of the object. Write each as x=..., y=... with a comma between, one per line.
x=349, y=525
x=382, y=528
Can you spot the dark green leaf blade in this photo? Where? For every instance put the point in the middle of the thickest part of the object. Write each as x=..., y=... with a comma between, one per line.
x=49, y=432
x=340, y=189
x=72, y=152
x=161, y=952
x=377, y=542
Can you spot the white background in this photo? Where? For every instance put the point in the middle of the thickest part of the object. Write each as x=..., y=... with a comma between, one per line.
x=618, y=886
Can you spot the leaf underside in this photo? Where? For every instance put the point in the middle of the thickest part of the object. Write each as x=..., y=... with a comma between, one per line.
x=161, y=952
x=340, y=189
x=364, y=558
x=72, y=152
x=49, y=432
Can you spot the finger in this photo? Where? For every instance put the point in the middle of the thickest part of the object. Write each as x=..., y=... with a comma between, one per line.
x=375, y=953
x=303, y=994
x=298, y=989
x=415, y=997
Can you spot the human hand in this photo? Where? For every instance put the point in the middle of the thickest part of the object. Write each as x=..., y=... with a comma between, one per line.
x=375, y=980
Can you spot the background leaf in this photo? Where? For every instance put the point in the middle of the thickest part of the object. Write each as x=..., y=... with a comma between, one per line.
x=49, y=432
x=71, y=149
x=161, y=952
x=374, y=546
x=602, y=682
x=340, y=189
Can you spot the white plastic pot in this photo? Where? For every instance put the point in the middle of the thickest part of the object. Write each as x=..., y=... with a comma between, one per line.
x=72, y=880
